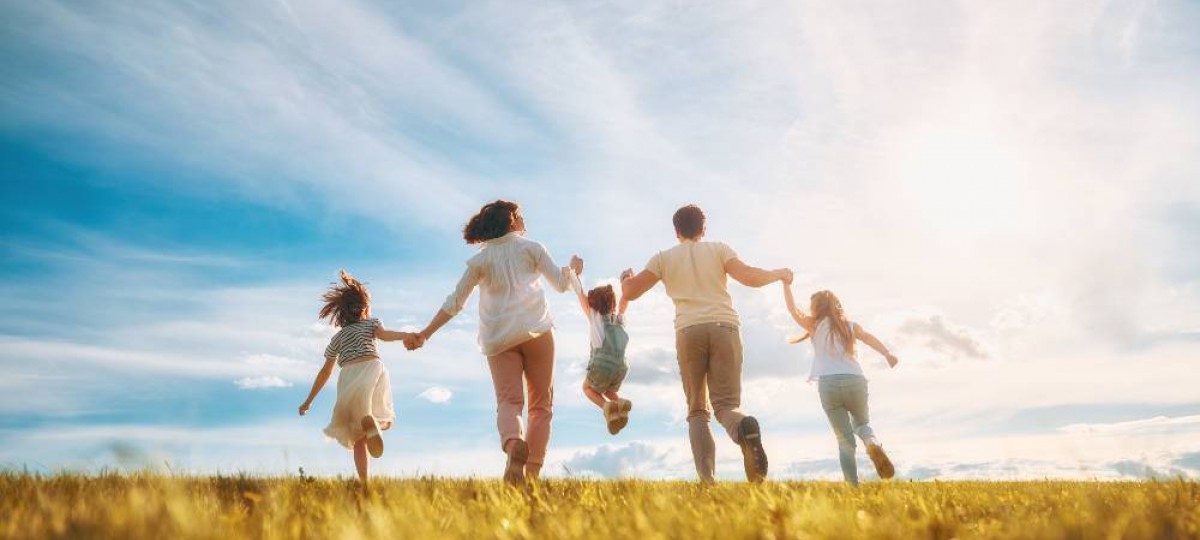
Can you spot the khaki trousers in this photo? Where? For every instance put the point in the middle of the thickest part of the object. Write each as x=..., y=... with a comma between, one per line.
x=528, y=366
x=710, y=366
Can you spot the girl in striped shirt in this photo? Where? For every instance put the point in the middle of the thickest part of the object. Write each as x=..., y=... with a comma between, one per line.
x=364, y=392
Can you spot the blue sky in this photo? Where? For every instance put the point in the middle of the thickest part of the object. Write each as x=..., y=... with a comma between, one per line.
x=1006, y=194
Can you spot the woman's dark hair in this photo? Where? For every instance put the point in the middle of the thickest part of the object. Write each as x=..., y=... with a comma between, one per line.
x=494, y=220
x=346, y=302
x=602, y=299
x=689, y=221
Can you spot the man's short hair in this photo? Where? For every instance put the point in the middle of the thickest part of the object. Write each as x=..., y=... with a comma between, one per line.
x=689, y=221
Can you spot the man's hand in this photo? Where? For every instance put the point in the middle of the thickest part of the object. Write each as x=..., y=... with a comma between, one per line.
x=576, y=264
x=304, y=407
x=892, y=360
x=785, y=275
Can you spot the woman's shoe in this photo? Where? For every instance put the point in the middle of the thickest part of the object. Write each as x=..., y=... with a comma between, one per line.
x=514, y=470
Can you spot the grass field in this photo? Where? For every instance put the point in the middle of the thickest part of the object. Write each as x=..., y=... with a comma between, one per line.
x=158, y=506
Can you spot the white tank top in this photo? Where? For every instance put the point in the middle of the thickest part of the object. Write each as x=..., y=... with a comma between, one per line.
x=829, y=356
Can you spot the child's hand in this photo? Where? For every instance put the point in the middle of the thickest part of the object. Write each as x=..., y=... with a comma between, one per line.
x=304, y=407
x=414, y=341
x=892, y=360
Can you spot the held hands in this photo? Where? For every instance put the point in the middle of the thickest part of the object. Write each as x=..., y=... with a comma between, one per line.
x=626, y=274
x=576, y=265
x=414, y=341
x=785, y=275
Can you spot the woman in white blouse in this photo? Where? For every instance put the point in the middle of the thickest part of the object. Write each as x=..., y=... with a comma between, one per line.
x=515, y=328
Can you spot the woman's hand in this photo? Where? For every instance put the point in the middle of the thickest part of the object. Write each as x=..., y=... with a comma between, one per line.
x=304, y=407
x=576, y=264
x=414, y=341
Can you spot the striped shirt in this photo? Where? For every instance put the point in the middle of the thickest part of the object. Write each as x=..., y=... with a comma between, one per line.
x=354, y=340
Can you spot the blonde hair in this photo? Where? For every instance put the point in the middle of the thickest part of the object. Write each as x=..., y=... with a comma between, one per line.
x=825, y=305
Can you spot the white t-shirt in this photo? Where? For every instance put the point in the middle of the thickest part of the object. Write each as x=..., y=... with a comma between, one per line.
x=829, y=356
x=595, y=320
x=512, y=306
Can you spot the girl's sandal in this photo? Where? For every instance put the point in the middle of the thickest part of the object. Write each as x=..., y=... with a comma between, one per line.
x=374, y=437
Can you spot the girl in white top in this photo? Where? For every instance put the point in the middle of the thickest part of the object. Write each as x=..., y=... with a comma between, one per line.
x=606, y=368
x=515, y=328
x=364, y=390
x=840, y=380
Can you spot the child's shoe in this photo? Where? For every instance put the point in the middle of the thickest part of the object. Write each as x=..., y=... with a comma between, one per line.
x=374, y=437
x=612, y=416
x=622, y=416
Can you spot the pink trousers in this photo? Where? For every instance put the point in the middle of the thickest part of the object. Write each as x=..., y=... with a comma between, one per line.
x=528, y=366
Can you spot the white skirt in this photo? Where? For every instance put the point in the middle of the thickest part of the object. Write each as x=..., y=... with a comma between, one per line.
x=363, y=388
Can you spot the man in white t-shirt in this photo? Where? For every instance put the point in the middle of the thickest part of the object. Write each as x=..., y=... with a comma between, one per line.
x=708, y=339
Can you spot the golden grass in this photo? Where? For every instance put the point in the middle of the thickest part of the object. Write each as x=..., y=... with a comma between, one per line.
x=161, y=506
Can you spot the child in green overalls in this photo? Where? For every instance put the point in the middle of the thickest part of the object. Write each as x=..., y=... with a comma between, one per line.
x=606, y=367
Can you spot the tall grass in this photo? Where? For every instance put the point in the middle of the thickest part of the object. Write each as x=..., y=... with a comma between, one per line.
x=160, y=506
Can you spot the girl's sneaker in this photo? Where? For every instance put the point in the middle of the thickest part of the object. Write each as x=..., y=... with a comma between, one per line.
x=612, y=416
x=514, y=470
x=374, y=437
x=883, y=465
x=623, y=408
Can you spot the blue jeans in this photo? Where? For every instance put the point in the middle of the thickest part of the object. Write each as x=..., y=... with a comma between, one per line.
x=844, y=398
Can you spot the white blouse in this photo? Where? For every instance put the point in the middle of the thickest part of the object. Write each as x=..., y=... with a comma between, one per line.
x=512, y=306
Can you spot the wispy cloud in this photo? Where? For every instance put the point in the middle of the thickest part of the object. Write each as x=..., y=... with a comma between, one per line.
x=258, y=383
x=436, y=394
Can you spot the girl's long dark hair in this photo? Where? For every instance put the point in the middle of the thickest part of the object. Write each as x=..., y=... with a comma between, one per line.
x=346, y=302
x=494, y=220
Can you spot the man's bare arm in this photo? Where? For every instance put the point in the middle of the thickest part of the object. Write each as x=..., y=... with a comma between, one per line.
x=634, y=287
x=751, y=276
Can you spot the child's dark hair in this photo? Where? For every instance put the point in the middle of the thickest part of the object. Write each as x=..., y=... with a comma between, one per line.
x=494, y=220
x=346, y=302
x=602, y=299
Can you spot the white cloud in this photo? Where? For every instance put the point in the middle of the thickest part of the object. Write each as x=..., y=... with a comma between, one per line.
x=436, y=394
x=635, y=459
x=1135, y=426
x=258, y=383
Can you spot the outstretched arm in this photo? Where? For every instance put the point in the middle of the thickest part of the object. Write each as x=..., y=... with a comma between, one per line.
x=633, y=287
x=318, y=384
x=392, y=335
x=577, y=284
x=798, y=315
x=874, y=343
x=454, y=304
x=751, y=276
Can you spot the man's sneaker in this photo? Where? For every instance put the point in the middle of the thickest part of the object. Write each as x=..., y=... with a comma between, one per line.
x=514, y=470
x=374, y=437
x=883, y=465
x=612, y=412
x=753, y=455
